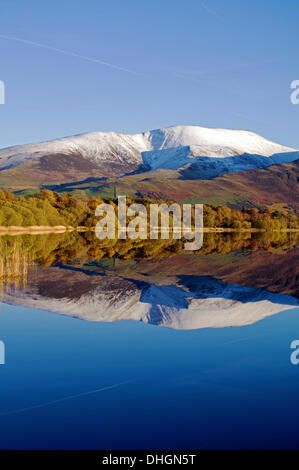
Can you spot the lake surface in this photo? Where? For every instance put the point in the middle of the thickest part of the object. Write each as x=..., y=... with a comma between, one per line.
x=187, y=351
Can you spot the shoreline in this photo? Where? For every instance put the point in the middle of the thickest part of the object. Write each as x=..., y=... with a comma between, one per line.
x=39, y=230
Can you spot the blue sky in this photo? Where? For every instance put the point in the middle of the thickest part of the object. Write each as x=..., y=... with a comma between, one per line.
x=215, y=63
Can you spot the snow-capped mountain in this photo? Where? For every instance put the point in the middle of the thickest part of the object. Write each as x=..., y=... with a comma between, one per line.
x=214, y=151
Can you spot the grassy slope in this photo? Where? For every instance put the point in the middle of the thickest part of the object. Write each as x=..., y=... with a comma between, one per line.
x=276, y=185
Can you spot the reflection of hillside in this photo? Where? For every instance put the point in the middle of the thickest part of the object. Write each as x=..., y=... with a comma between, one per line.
x=233, y=280
x=264, y=260
x=276, y=271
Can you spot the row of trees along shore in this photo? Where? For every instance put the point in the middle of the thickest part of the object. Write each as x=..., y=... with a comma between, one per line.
x=48, y=208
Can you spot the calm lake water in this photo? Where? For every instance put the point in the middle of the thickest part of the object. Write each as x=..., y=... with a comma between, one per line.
x=191, y=351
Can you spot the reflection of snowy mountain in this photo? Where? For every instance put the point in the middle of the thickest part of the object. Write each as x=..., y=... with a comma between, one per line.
x=193, y=302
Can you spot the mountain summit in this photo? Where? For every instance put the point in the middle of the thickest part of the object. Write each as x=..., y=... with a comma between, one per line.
x=168, y=148
x=168, y=161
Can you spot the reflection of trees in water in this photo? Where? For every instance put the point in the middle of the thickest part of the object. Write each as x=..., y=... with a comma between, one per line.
x=251, y=241
x=13, y=269
x=18, y=252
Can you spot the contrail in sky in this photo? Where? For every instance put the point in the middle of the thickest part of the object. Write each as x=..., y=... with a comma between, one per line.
x=69, y=53
x=212, y=12
x=59, y=400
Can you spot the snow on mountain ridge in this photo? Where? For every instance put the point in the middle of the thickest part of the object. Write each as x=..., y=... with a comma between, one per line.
x=242, y=141
x=95, y=146
x=149, y=147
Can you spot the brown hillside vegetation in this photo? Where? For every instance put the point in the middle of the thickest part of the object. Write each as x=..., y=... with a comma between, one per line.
x=277, y=184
